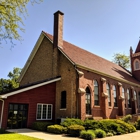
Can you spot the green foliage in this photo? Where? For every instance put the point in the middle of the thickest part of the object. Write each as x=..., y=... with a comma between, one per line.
x=56, y=129
x=41, y=126
x=110, y=126
x=127, y=118
x=100, y=133
x=91, y=124
x=109, y=134
x=88, y=135
x=127, y=128
x=11, y=13
x=11, y=83
x=74, y=130
x=121, y=59
x=138, y=124
x=67, y=122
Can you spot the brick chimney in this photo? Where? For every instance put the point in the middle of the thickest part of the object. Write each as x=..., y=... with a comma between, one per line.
x=58, y=29
x=57, y=41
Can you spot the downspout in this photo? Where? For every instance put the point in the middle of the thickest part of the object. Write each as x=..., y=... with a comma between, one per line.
x=71, y=97
x=77, y=101
x=1, y=112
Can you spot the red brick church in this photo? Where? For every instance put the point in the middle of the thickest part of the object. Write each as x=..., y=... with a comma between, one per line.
x=61, y=80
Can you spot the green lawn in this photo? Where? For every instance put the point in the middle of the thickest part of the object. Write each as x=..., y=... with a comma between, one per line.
x=15, y=136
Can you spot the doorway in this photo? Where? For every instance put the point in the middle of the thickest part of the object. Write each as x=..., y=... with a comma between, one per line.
x=17, y=116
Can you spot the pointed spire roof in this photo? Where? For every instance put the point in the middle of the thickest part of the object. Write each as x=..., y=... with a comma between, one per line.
x=138, y=47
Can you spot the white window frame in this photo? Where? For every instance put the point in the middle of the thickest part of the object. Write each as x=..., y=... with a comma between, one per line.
x=42, y=111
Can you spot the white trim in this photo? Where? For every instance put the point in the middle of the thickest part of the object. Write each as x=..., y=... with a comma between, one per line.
x=46, y=111
x=1, y=112
x=63, y=109
x=28, y=88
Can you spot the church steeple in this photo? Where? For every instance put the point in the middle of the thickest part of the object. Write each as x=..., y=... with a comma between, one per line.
x=135, y=62
x=138, y=47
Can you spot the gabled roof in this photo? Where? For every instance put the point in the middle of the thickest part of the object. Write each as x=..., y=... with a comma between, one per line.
x=84, y=59
x=138, y=47
x=29, y=87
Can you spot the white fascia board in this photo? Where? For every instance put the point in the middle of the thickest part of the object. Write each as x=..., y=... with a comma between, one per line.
x=28, y=88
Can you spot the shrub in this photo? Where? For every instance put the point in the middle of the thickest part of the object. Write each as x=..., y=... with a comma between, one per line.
x=138, y=124
x=67, y=122
x=125, y=127
x=100, y=133
x=109, y=134
x=56, y=129
x=91, y=124
x=74, y=130
x=88, y=135
x=41, y=126
x=2, y=131
x=127, y=118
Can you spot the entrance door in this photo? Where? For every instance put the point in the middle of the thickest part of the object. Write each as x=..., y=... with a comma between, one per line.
x=17, y=116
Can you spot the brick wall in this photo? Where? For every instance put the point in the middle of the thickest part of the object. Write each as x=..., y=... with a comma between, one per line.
x=103, y=109
x=68, y=84
x=41, y=65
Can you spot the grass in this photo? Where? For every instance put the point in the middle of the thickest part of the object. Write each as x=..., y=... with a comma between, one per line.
x=15, y=136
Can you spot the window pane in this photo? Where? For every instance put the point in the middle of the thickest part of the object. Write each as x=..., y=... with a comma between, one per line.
x=88, y=101
x=96, y=93
x=128, y=98
x=108, y=92
x=49, y=113
x=123, y=92
x=135, y=95
x=63, y=99
x=115, y=96
x=137, y=65
x=44, y=112
x=38, y=111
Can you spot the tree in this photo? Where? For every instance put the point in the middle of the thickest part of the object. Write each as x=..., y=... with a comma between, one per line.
x=11, y=83
x=11, y=12
x=122, y=59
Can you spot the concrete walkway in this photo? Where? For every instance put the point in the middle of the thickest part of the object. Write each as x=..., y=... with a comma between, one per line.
x=48, y=136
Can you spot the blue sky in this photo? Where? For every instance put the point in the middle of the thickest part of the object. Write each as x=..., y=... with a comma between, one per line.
x=103, y=27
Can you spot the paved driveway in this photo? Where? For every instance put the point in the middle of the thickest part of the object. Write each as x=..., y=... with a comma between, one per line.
x=47, y=136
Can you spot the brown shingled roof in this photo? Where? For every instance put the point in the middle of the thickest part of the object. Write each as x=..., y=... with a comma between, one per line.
x=89, y=60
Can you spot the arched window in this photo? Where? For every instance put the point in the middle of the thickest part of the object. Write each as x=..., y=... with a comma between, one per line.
x=96, y=93
x=128, y=98
x=123, y=95
x=135, y=95
x=137, y=65
x=115, y=96
x=108, y=92
x=88, y=101
x=123, y=92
